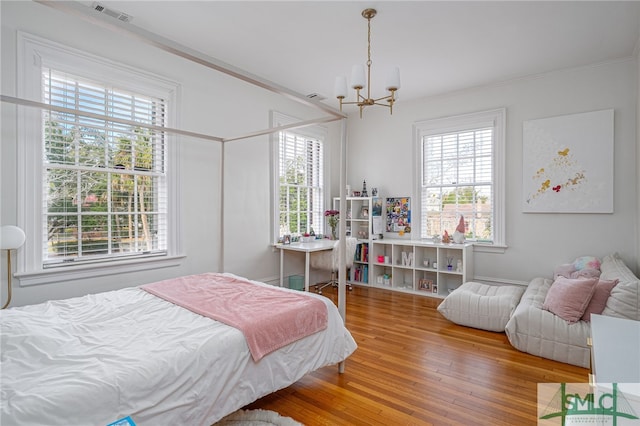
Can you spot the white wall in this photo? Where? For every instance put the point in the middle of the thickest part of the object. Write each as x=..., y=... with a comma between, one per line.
x=380, y=150
x=211, y=103
x=248, y=244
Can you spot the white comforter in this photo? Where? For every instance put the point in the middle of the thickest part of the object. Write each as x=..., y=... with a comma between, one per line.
x=95, y=359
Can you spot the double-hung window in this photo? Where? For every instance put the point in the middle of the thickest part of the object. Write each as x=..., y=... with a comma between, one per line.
x=300, y=188
x=104, y=182
x=99, y=162
x=461, y=171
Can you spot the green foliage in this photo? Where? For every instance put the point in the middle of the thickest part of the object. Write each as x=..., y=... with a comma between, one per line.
x=463, y=195
x=66, y=248
x=294, y=196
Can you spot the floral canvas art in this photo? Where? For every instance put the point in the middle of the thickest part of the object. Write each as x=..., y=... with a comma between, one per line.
x=568, y=163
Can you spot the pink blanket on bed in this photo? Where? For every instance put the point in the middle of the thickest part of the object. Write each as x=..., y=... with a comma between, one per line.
x=268, y=317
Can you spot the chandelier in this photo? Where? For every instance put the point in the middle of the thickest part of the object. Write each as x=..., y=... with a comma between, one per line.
x=358, y=79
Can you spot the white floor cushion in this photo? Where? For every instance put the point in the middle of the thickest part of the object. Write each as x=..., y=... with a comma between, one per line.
x=483, y=306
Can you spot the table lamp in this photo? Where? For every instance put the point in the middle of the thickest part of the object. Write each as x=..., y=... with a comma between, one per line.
x=11, y=238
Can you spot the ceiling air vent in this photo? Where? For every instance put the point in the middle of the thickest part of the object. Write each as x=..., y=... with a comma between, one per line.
x=110, y=12
x=316, y=96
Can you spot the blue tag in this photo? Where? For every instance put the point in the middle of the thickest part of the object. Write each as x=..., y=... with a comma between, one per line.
x=127, y=421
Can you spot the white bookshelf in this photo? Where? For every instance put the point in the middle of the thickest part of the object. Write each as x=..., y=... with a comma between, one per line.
x=419, y=267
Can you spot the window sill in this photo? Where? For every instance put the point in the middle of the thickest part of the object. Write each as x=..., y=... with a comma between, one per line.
x=489, y=248
x=79, y=272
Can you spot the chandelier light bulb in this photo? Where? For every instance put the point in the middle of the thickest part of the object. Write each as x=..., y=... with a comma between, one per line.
x=340, y=89
x=393, y=79
x=358, y=80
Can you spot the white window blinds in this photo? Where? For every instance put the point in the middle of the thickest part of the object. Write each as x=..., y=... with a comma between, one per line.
x=104, y=183
x=457, y=180
x=301, y=184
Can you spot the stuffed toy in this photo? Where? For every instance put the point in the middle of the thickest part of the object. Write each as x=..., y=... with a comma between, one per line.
x=458, y=234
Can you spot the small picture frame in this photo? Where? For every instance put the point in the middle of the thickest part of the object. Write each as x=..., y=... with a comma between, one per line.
x=434, y=288
x=286, y=239
x=364, y=213
x=425, y=284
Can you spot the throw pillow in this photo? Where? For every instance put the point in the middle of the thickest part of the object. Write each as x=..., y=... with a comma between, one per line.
x=585, y=273
x=587, y=262
x=599, y=299
x=568, y=297
x=564, y=270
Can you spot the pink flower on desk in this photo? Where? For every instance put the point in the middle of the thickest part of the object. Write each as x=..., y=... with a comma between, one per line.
x=332, y=217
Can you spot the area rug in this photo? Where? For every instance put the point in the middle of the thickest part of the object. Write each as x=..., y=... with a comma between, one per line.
x=257, y=418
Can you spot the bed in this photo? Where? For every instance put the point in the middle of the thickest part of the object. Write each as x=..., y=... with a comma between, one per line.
x=100, y=358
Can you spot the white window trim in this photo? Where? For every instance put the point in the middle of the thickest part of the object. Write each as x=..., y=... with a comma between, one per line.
x=317, y=132
x=495, y=118
x=33, y=53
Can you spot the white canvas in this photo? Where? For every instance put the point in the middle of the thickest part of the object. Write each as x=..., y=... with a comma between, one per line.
x=568, y=163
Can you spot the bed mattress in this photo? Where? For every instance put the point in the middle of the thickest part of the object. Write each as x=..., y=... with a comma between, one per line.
x=95, y=359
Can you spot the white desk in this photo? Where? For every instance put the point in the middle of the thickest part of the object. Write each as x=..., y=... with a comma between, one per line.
x=307, y=249
x=616, y=349
x=615, y=346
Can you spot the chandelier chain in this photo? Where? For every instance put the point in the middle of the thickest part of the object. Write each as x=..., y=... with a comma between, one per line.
x=368, y=59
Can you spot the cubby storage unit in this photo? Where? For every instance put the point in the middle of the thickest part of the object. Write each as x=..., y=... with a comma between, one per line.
x=358, y=216
x=420, y=267
x=359, y=272
x=358, y=222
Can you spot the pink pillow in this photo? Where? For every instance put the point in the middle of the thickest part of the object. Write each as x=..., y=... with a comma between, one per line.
x=568, y=297
x=585, y=273
x=564, y=270
x=599, y=299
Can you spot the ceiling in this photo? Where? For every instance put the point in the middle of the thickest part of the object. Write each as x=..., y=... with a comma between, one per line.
x=440, y=47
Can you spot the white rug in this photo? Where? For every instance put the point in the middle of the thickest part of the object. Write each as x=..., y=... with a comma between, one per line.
x=256, y=418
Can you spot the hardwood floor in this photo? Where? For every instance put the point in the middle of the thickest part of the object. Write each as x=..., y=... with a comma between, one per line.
x=414, y=367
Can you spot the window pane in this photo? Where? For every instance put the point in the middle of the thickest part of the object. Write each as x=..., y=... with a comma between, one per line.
x=62, y=233
x=93, y=192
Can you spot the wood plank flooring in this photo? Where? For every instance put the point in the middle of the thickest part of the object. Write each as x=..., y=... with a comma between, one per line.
x=414, y=367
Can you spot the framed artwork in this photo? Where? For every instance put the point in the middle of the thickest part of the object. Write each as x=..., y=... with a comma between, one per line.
x=399, y=214
x=376, y=209
x=286, y=239
x=425, y=284
x=567, y=163
x=364, y=212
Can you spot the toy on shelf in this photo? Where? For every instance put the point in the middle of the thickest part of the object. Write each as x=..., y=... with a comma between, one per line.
x=458, y=235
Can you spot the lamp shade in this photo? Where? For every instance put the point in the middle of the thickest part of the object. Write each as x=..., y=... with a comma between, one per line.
x=11, y=237
x=358, y=77
x=393, y=79
x=340, y=89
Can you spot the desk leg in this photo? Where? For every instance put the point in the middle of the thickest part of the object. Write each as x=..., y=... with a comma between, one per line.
x=306, y=271
x=281, y=267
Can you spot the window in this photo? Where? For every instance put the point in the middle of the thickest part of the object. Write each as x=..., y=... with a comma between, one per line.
x=100, y=174
x=461, y=171
x=104, y=182
x=300, y=180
